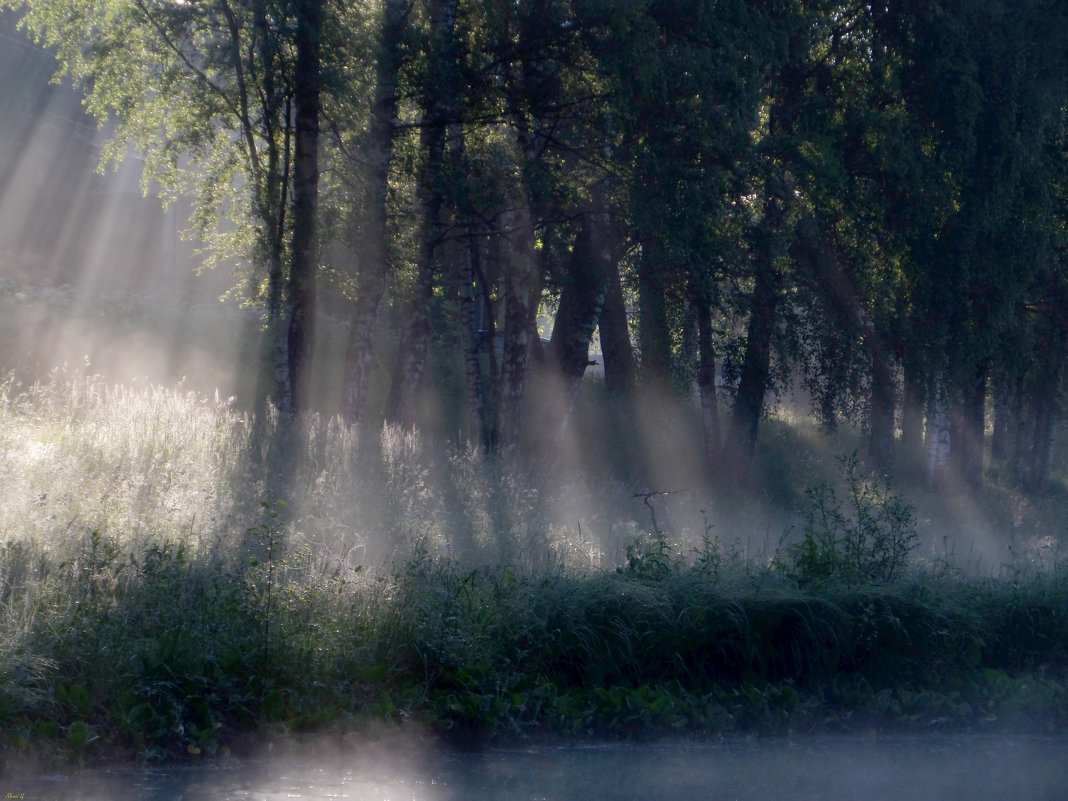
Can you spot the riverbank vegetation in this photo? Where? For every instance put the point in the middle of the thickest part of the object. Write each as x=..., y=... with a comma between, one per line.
x=152, y=607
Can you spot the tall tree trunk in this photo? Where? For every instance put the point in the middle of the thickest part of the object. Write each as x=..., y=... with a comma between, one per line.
x=471, y=295
x=938, y=442
x=275, y=206
x=298, y=322
x=372, y=237
x=1047, y=421
x=706, y=384
x=521, y=290
x=413, y=352
x=654, y=335
x=524, y=272
x=913, y=396
x=359, y=355
x=487, y=265
x=881, y=413
x=277, y=338
x=581, y=304
x=270, y=159
x=306, y=89
x=616, y=348
x=1048, y=412
x=756, y=367
x=470, y=298
x=414, y=349
x=619, y=376
x=973, y=427
x=1004, y=421
x=1020, y=441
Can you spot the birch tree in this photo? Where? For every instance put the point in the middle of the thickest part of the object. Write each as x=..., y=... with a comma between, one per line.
x=221, y=101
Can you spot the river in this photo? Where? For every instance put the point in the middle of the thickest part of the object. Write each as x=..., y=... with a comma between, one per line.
x=964, y=767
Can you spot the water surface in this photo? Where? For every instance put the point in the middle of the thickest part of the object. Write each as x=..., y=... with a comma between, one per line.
x=915, y=768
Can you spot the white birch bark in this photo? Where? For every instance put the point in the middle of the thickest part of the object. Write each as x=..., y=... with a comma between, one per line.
x=936, y=461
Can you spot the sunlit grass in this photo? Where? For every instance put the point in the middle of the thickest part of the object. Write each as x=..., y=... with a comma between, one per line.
x=79, y=454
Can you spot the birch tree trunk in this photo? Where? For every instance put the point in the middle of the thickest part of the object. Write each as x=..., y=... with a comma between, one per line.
x=938, y=441
x=1004, y=419
x=616, y=348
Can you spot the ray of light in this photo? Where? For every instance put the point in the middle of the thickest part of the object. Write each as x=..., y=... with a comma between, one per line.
x=94, y=270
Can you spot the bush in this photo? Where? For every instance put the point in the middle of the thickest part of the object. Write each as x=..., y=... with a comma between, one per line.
x=867, y=542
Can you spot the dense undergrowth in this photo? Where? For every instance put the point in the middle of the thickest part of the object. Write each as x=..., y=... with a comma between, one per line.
x=148, y=610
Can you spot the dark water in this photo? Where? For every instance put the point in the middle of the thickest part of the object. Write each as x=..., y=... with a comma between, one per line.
x=942, y=767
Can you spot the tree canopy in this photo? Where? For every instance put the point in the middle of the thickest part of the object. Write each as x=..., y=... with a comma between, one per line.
x=731, y=196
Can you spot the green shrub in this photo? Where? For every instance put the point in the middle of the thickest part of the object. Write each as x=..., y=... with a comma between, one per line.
x=650, y=557
x=866, y=538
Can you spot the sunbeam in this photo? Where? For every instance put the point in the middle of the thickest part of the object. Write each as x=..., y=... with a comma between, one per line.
x=440, y=398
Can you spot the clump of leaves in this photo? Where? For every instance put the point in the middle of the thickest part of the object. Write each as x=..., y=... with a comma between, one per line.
x=650, y=557
x=864, y=538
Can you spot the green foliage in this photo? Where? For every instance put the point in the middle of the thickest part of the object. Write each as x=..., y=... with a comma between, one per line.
x=169, y=659
x=867, y=542
x=920, y=151
x=650, y=557
x=653, y=557
x=267, y=540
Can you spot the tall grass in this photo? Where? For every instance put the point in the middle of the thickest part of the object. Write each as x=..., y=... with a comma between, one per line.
x=153, y=603
x=79, y=454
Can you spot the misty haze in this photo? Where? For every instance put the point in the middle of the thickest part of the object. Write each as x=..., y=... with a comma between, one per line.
x=559, y=399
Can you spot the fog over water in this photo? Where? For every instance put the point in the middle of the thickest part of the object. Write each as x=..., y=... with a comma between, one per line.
x=968, y=767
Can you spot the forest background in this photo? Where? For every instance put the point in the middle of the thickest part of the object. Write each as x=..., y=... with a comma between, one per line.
x=432, y=210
